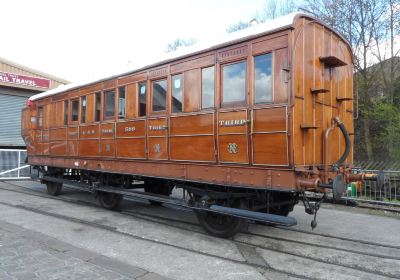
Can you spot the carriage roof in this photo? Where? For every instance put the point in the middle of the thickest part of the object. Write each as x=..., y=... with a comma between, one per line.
x=264, y=28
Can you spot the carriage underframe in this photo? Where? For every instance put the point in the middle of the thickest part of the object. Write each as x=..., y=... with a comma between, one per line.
x=221, y=210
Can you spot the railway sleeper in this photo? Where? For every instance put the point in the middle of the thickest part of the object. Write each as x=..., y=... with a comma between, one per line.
x=221, y=211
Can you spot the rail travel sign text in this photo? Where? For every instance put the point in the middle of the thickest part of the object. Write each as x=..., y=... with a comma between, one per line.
x=24, y=80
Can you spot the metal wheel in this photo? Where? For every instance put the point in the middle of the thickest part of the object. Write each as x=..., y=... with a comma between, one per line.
x=219, y=225
x=109, y=200
x=53, y=188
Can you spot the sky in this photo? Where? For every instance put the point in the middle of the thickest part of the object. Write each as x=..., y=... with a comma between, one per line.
x=79, y=39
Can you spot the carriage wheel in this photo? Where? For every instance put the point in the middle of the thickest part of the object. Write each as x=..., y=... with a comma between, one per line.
x=219, y=225
x=53, y=188
x=109, y=200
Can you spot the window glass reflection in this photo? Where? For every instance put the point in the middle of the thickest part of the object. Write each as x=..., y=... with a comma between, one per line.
x=207, y=87
x=142, y=99
x=83, y=109
x=234, y=83
x=75, y=110
x=98, y=107
x=159, y=95
x=263, y=78
x=109, y=100
x=121, y=102
x=177, y=97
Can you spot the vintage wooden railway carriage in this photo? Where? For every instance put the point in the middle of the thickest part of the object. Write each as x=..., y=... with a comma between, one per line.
x=245, y=126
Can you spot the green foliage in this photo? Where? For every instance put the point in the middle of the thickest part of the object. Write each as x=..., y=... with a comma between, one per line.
x=385, y=130
x=371, y=27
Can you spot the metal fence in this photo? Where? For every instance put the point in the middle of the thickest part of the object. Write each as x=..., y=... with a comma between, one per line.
x=368, y=190
x=13, y=166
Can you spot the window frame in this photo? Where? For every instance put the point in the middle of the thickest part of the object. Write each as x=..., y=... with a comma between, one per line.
x=83, y=115
x=104, y=103
x=121, y=117
x=99, y=93
x=181, y=74
x=159, y=112
x=66, y=112
x=234, y=104
x=272, y=79
x=40, y=116
x=214, y=87
x=72, y=100
x=145, y=98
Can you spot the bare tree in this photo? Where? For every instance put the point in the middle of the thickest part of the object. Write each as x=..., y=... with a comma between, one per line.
x=237, y=26
x=368, y=25
x=275, y=8
x=272, y=9
x=179, y=42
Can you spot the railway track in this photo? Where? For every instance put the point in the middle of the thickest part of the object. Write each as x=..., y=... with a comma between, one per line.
x=263, y=249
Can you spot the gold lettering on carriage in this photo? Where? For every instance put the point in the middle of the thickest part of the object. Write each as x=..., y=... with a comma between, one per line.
x=86, y=132
x=105, y=131
x=129, y=129
x=233, y=122
x=157, y=127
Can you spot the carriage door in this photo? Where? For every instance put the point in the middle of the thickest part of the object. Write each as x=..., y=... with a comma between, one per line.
x=233, y=122
x=157, y=123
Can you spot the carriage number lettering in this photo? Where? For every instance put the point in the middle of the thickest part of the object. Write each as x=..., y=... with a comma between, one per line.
x=130, y=129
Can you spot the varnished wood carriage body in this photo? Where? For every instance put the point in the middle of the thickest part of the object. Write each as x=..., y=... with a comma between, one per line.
x=255, y=111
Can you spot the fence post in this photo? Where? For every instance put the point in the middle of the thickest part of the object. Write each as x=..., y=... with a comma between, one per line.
x=19, y=162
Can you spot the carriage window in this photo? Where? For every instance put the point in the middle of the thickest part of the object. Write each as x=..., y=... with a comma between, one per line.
x=159, y=95
x=207, y=87
x=109, y=104
x=98, y=107
x=40, y=117
x=177, y=98
x=234, y=83
x=142, y=99
x=83, y=109
x=121, y=102
x=65, y=112
x=263, y=78
x=75, y=110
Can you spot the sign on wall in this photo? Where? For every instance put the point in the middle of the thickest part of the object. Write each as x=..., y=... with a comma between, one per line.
x=24, y=80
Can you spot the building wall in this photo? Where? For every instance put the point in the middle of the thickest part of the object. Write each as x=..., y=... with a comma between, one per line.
x=13, y=98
